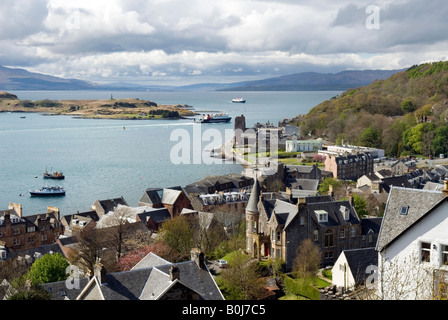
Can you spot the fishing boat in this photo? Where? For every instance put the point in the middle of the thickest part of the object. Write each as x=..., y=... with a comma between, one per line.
x=214, y=118
x=48, y=191
x=53, y=175
x=239, y=100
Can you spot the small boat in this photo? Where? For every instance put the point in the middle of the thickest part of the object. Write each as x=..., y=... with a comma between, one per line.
x=239, y=100
x=214, y=118
x=54, y=175
x=48, y=191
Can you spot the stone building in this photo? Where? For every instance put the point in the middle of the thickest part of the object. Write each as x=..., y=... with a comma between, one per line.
x=350, y=167
x=276, y=227
x=20, y=233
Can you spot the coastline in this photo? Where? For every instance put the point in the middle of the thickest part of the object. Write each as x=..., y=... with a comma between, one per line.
x=115, y=109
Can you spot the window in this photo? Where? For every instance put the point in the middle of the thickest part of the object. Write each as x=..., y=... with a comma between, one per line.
x=353, y=232
x=302, y=220
x=278, y=236
x=329, y=238
x=342, y=233
x=370, y=236
x=316, y=235
x=425, y=252
x=16, y=231
x=16, y=242
x=404, y=210
x=445, y=255
x=31, y=229
x=31, y=240
x=322, y=215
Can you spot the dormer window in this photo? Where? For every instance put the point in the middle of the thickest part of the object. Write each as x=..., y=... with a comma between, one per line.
x=322, y=215
x=345, y=212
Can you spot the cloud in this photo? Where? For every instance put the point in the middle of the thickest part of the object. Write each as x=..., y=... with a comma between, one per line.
x=203, y=40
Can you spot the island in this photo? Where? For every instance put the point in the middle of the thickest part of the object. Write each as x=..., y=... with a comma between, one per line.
x=123, y=109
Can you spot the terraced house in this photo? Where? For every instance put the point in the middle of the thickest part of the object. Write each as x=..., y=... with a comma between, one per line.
x=19, y=233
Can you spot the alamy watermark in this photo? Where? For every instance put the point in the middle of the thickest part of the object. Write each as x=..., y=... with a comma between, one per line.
x=373, y=20
x=248, y=146
x=73, y=21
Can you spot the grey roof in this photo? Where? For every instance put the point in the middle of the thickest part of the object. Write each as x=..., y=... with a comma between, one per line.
x=417, y=202
x=148, y=280
x=60, y=291
x=170, y=196
x=150, y=260
x=110, y=204
x=303, y=184
x=359, y=259
x=158, y=215
x=151, y=196
x=335, y=216
x=373, y=224
x=252, y=204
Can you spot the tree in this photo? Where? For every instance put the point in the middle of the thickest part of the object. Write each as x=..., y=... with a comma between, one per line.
x=178, y=235
x=307, y=260
x=370, y=138
x=360, y=205
x=241, y=280
x=407, y=106
x=49, y=268
x=87, y=251
x=440, y=141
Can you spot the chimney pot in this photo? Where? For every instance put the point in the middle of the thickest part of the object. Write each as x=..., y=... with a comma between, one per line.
x=100, y=272
x=198, y=256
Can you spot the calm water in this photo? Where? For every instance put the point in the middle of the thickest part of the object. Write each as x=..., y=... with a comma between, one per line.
x=102, y=160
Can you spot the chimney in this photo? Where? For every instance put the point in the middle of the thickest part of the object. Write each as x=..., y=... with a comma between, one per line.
x=99, y=271
x=17, y=208
x=445, y=189
x=53, y=210
x=174, y=272
x=198, y=256
x=330, y=191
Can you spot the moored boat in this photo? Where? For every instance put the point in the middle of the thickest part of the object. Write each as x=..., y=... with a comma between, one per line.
x=239, y=100
x=214, y=118
x=54, y=175
x=48, y=191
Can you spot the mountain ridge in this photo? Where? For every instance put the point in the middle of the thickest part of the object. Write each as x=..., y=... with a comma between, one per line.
x=21, y=79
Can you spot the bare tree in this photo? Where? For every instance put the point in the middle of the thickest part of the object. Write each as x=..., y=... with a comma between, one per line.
x=307, y=259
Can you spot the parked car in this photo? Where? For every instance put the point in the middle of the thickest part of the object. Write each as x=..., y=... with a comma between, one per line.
x=222, y=263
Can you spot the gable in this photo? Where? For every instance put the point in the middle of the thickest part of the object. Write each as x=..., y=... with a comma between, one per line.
x=397, y=220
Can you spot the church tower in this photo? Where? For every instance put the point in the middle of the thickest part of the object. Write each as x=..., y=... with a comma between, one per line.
x=252, y=218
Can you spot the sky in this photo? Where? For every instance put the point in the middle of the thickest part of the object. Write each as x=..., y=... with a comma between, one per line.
x=174, y=42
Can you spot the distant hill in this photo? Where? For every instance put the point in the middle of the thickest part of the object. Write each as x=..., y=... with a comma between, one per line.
x=312, y=81
x=20, y=79
x=404, y=114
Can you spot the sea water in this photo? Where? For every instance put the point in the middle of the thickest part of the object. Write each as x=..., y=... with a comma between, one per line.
x=103, y=159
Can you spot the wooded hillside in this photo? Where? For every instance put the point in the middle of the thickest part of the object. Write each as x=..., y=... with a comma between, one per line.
x=405, y=114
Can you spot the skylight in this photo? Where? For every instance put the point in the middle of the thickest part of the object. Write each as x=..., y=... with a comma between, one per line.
x=404, y=210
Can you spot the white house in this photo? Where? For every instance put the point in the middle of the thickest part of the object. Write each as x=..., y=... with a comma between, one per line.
x=353, y=267
x=413, y=245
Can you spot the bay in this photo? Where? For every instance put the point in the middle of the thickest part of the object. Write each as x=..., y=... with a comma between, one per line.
x=105, y=159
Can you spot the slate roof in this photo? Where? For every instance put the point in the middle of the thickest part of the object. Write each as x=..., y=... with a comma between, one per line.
x=158, y=215
x=110, y=204
x=359, y=259
x=373, y=224
x=418, y=203
x=252, y=204
x=148, y=280
x=151, y=196
x=335, y=216
x=170, y=196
